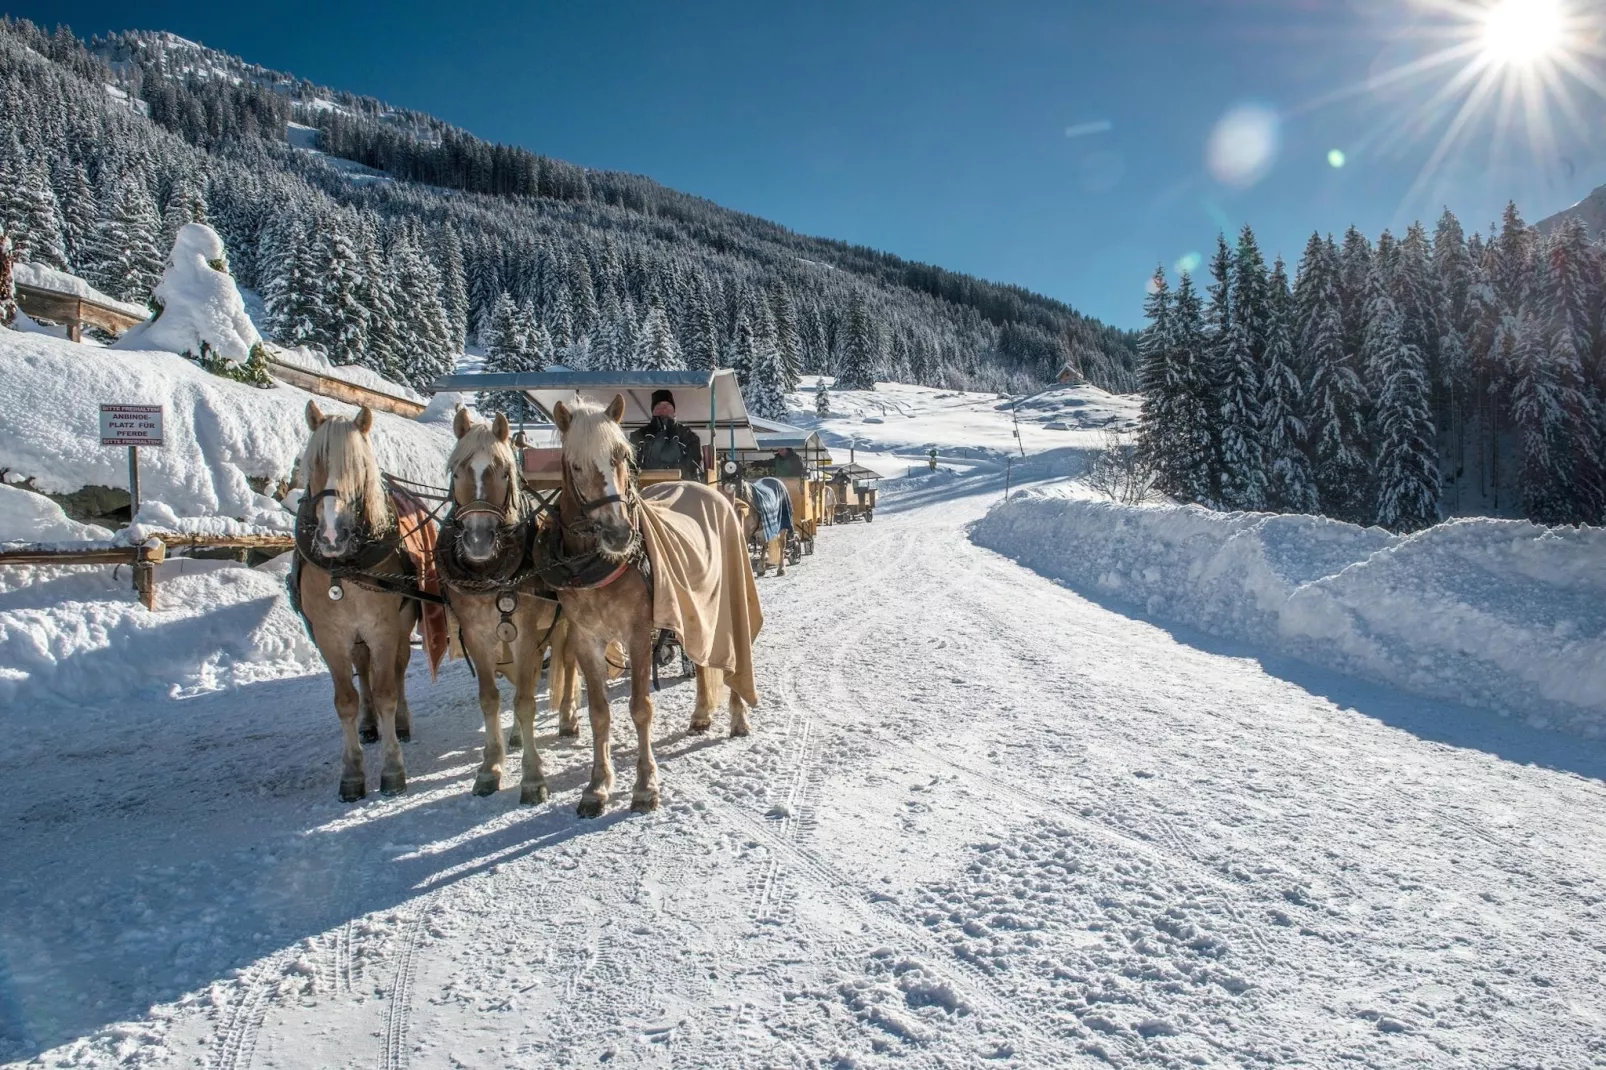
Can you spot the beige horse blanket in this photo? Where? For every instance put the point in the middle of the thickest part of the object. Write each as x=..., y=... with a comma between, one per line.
x=703, y=587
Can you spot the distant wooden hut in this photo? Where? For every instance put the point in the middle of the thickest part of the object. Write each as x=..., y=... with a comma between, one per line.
x=1070, y=375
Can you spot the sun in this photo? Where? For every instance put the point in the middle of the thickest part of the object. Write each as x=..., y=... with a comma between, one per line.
x=1522, y=32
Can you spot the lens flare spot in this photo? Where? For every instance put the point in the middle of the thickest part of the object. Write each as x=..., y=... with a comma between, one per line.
x=1150, y=286
x=1188, y=263
x=1243, y=145
x=1336, y=158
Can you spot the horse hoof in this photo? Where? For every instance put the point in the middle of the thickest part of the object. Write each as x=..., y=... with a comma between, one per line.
x=568, y=731
x=514, y=741
x=644, y=804
x=740, y=731
x=352, y=790
x=589, y=808
x=404, y=735
x=487, y=784
x=368, y=735
x=533, y=794
x=392, y=783
x=699, y=727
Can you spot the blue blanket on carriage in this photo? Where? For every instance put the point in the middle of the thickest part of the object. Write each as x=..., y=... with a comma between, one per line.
x=773, y=506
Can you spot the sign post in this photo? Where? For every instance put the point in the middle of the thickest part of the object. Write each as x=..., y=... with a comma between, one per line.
x=132, y=426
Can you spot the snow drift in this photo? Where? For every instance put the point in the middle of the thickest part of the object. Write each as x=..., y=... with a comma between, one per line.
x=200, y=303
x=1496, y=613
x=47, y=278
x=220, y=434
x=79, y=635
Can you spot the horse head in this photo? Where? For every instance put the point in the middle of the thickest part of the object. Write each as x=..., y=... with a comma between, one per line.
x=485, y=485
x=343, y=483
x=596, y=469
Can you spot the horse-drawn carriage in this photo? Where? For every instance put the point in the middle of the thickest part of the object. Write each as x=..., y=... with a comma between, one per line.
x=795, y=457
x=852, y=492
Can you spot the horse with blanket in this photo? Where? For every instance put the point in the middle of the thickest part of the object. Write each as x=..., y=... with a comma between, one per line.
x=767, y=519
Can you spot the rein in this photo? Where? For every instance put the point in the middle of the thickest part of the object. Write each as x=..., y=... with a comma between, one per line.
x=591, y=569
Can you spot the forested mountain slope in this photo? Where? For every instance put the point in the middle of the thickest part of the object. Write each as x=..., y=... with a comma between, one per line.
x=389, y=237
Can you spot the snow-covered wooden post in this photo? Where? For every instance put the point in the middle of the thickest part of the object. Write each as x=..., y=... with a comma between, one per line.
x=147, y=557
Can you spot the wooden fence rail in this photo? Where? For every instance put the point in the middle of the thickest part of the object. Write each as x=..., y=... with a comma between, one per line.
x=145, y=557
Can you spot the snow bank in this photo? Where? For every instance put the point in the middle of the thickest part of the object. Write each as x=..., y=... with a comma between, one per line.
x=1496, y=613
x=26, y=517
x=219, y=433
x=81, y=636
x=200, y=303
x=46, y=278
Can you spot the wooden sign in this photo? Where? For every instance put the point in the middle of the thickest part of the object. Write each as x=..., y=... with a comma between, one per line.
x=130, y=425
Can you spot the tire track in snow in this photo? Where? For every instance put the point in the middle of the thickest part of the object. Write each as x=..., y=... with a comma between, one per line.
x=237, y=1043
x=393, y=1050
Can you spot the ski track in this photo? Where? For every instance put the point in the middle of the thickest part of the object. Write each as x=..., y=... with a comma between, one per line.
x=980, y=822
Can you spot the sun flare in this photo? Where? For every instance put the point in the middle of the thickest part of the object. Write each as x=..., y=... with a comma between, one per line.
x=1522, y=31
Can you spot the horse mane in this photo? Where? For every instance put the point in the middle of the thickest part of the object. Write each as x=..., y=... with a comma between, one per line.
x=592, y=434
x=350, y=468
x=479, y=438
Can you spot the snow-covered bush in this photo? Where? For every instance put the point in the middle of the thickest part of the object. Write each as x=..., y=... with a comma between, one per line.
x=202, y=315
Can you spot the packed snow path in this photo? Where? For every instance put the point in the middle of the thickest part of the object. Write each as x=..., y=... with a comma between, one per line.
x=982, y=821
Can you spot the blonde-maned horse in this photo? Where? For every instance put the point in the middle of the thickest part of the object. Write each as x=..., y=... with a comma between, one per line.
x=595, y=510
x=366, y=632
x=483, y=538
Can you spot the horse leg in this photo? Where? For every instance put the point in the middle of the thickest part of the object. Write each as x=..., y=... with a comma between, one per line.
x=526, y=673
x=708, y=687
x=563, y=680
x=593, y=658
x=368, y=725
x=393, y=774
x=644, y=796
x=739, y=725
x=780, y=546
x=404, y=712
x=353, y=783
x=489, y=779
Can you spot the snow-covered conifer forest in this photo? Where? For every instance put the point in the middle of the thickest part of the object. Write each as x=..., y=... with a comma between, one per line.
x=391, y=239
x=1393, y=383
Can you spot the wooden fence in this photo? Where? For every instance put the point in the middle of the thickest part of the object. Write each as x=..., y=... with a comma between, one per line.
x=145, y=557
x=53, y=306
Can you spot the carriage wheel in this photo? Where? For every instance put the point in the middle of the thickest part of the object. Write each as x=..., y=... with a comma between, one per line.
x=794, y=551
x=869, y=515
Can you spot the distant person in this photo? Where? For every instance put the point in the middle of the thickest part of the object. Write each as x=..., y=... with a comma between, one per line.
x=931, y=458
x=787, y=463
x=666, y=443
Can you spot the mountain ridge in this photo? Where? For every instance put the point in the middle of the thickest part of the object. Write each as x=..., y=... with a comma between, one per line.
x=413, y=145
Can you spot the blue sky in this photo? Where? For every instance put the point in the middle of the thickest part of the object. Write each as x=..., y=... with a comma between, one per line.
x=1061, y=146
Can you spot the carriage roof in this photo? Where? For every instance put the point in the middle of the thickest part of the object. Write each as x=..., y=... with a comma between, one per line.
x=856, y=472
x=702, y=398
x=772, y=435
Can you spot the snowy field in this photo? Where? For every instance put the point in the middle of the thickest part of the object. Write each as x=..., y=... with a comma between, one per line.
x=985, y=819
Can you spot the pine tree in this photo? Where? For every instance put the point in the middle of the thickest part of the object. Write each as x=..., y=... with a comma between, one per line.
x=582, y=296
x=509, y=347
x=765, y=389
x=1290, y=486
x=1217, y=331
x=385, y=345
x=454, y=288
x=859, y=355
x=1407, y=467
x=79, y=213
x=30, y=213
x=1335, y=409
x=339, y=318
x=1576, y=494
x=786, y=336
x=425, y=331
x=656, y=348
x=822, y=398
x=1242, y=458
x=1354, y=275
x=124, y=260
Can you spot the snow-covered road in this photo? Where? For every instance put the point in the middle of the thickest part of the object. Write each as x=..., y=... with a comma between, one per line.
x=981, y=821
